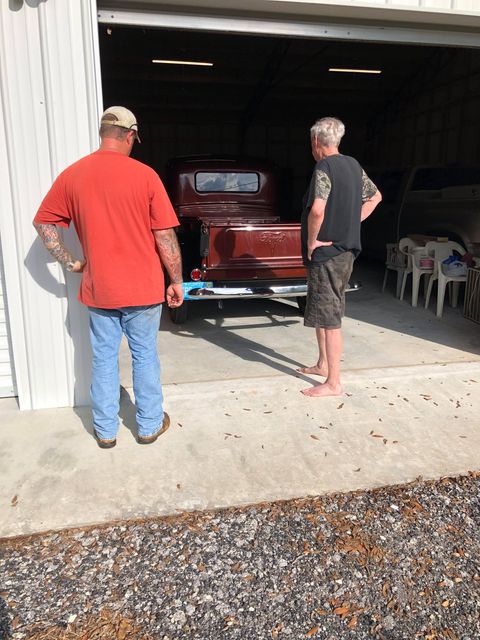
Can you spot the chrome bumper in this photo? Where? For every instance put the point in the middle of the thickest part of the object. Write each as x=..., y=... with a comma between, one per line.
x=224, y=293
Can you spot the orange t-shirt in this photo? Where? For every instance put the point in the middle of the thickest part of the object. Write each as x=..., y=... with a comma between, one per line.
x=114, y=203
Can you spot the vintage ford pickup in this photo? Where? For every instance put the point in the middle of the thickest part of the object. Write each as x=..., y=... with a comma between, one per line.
x=234, y=244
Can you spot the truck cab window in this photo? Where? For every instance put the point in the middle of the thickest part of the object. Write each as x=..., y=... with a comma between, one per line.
x=226, y=181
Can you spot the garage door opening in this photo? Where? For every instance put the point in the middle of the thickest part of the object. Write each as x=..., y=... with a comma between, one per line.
x=258, y=95
x=261, y=94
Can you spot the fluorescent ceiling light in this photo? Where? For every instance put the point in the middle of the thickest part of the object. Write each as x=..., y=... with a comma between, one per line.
x=186, y=62
x=374, y=71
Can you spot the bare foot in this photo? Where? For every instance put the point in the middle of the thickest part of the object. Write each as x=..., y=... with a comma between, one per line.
x=323, y=390
x=315, y=370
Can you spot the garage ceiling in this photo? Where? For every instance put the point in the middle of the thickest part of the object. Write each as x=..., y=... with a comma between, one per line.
x=257, y=79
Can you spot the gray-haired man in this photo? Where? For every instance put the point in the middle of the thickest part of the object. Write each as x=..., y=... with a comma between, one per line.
x=340, y=197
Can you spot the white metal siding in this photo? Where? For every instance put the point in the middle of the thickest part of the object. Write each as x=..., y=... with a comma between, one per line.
x=48, y=119
x=7, y=380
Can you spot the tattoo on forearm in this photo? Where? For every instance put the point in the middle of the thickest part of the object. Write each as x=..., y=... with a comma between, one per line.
x=52, y=241
x=169, y=250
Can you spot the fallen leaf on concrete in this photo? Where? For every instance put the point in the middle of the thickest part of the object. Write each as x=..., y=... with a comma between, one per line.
x=356, y=470
x=340, y=405
x=14, y=501
x=314, y=437
x=312, y=632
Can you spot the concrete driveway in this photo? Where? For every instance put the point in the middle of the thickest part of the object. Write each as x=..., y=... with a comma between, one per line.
x=241, y=431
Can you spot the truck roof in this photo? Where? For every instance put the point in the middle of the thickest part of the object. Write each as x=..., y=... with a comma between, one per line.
x=220, y=162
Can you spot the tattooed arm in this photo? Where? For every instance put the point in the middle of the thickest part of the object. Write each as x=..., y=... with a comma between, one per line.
x=52, y=241
x=169, y=250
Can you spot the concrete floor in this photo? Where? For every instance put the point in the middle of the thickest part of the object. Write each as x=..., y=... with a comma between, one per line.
x=241, y=431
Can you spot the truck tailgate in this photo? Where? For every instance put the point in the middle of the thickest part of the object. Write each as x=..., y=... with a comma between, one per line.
x=252, y=249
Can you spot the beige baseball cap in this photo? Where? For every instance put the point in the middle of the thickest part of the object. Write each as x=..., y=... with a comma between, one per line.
x=120, y=117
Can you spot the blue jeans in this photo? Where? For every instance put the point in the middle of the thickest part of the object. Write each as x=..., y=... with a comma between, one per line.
x=140, y=325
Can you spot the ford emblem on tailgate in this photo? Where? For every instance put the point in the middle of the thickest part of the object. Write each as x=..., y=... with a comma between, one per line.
x=273, y=239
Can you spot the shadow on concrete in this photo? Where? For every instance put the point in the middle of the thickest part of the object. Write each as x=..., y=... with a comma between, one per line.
x=369, y=305
x=385, y=311
x=206, y=322
x=127, y=413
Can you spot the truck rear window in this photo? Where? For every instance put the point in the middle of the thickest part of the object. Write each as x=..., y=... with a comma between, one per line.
x=221, y=181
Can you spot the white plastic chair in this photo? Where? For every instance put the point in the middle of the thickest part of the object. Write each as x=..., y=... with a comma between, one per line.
x=406, y=246
x=440, y=251
x=419, y=269
x=395, y=261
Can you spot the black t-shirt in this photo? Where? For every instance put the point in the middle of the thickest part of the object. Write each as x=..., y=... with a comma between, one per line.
x=344, y=185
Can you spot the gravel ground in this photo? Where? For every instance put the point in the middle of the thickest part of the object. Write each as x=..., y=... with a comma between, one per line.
x=391, y=564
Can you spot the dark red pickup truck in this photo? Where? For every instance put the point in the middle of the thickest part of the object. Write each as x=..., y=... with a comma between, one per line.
x=234, y=244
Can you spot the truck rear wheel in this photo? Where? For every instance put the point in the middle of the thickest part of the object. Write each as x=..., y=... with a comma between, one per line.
x=179, y=315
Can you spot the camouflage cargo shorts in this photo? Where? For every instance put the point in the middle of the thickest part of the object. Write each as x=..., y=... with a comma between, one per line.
x=327, y=282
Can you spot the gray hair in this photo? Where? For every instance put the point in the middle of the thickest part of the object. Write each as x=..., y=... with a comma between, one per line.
x=112, y=131
x=328, y=131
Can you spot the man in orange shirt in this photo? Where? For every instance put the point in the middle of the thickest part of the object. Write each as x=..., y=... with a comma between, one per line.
x=125, y=223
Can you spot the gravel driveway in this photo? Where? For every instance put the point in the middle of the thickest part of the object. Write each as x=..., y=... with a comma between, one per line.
x=395, y=563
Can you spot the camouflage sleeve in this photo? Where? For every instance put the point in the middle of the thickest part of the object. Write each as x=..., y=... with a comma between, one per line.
x=322, y=185
x=369, y=189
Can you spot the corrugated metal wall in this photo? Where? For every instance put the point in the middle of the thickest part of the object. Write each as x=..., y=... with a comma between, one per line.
x=7, y=375
x=48, y=118
x=436, y=118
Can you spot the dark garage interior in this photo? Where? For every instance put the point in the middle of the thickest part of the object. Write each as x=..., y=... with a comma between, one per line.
x=263, y=93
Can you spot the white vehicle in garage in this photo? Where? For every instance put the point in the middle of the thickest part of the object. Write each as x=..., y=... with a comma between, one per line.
x=426, y=200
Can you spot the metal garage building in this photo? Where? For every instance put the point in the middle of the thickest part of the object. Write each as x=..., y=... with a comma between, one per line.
x=55, y=69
